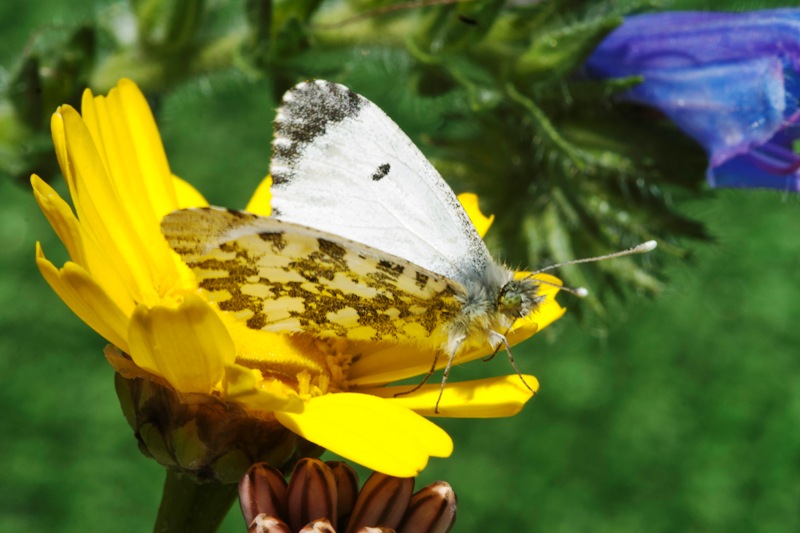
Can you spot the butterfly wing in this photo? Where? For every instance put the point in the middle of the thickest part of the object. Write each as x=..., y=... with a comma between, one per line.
x=341, y=165
x=282, y=277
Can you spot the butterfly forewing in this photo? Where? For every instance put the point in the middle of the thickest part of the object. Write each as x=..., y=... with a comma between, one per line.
x=342, y=166
x=279, y=276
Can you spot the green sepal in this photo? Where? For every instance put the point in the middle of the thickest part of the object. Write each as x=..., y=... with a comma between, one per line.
x=202, y=436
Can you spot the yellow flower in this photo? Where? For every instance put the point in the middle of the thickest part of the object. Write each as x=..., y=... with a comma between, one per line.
x=125, y=283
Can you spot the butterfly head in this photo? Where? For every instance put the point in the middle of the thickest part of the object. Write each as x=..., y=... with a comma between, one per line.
x=518, y=298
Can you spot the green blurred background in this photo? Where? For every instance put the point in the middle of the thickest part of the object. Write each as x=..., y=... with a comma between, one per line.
x=682, y=414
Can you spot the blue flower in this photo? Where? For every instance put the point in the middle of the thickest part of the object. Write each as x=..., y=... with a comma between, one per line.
x=729, y=80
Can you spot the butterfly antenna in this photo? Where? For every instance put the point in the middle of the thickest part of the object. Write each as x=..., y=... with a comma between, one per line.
x=639, y=249
x=580, y=292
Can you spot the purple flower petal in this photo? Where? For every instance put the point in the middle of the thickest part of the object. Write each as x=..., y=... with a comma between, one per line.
x=726, y=107
x=681, y=39
x=773, y=169
x=729, y=80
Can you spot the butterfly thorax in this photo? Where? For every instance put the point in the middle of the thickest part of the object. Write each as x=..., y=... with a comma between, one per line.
x=492, y=301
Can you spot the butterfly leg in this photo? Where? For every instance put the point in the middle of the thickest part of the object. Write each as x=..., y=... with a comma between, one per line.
x=425, y=379
x=447, y=368
x=504, y=342
x=496, y=349
x=444, y=378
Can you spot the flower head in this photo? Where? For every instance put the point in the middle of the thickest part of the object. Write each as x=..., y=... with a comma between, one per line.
x=325, y=497
x=186, y=368
x=729, y=80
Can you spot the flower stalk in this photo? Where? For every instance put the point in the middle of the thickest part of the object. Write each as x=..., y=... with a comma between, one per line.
x=187, y=505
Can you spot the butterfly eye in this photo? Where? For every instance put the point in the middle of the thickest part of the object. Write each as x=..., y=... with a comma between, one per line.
x=511, y=298
x=509, y=301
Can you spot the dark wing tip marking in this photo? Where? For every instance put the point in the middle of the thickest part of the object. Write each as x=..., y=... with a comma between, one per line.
x=381, y=172
x=305, y=113
x=309, y=107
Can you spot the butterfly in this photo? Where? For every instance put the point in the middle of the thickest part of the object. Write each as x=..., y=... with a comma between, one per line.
x=366, y=240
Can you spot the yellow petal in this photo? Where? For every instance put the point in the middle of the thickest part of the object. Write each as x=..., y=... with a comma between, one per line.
x=125, y=367
x=126, y=134
x=260, y=203
x=61, y=219
x=147, y=145
x=470, y=203
x=246, y=386
x=60, y=145
x=128, y=142
x=290, y=353
x=380, y=363
x=188, y=196
x=371, y=431
x=98, y=208
x=121, y=186
x=82, y=249
x=109, y=134
x=188, y=345
x=86, y=298
x=484, y=398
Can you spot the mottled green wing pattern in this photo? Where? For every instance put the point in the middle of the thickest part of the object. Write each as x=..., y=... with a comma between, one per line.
x=282, y=277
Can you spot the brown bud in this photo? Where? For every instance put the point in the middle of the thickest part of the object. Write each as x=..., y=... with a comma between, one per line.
x=318, y=526
x=432, y=510
x=262, y=490
x=312, y=493
x=268, y=524
x=382, y=502
x=346, y=490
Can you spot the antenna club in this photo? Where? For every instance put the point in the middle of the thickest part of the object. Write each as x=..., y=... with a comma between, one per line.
x=645, y=247
x=581, y=292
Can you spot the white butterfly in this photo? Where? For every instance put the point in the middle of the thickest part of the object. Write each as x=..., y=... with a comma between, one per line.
x=366, y=240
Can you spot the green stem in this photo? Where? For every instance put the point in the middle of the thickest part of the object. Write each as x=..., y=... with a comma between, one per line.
x=546, y=128
x=190, y=506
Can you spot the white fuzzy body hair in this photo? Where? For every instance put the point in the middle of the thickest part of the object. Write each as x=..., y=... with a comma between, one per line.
x=486, y=316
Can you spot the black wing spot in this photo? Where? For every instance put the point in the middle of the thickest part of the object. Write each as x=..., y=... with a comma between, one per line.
x=381, y=173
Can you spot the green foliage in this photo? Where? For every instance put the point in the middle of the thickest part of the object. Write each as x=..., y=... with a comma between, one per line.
x=680, y=419
x=571, y=172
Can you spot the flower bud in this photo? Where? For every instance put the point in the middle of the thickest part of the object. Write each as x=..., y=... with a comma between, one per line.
x=312, y=493
x=201, y=437
x=432, y=509
x=383, y=502
x=262, y=490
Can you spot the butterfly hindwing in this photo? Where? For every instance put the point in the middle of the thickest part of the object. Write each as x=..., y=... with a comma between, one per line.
x=282, y=277
x=341, y=165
